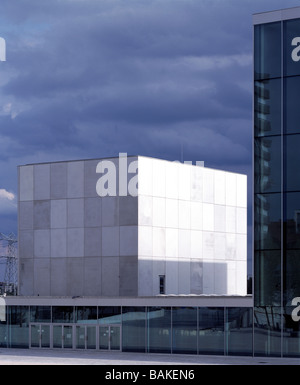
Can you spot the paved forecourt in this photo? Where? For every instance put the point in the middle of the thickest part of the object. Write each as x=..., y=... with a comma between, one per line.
x=55, y=357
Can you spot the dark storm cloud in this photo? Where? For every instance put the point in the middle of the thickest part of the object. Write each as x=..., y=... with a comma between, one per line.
x=133, y=64
x=92, y=78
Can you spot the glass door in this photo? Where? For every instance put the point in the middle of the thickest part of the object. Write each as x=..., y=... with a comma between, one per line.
x=85, y=337
x=104, y=337
x=67, y=337
x=35, y=336
x=40, y=336
x=57, y=337
x=110, y=337
x=80, y=337
x=115, y=338
x=63, y=336
x=91, y=337
x=45, y=336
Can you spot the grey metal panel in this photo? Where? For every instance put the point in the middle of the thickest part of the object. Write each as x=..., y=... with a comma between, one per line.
x=92, y=242
x=128, y=210
x=58, y=213
x=267, y=17
x=25, y=244
x=26, y=215
x=128, y=240
x=110, y=211
x=75, y=213
x=41, y=214
x=92, y=212
x=58, y=243
x=128, y=276
x=26, y=276
x=75, y=242
x=26, y=183
x=92, y=276
x=42, y=244
x=273, y=16
x=41, y=181
x=110, y=276
x=90, y=178
x=58, y=276
x=75, y=179
x=74, y=276
x=58, y=181
x=41, y=276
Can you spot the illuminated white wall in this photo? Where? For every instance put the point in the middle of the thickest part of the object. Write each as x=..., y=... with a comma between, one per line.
x=188, y=223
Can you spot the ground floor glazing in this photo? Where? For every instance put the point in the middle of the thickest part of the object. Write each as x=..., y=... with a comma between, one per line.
x=240, y=331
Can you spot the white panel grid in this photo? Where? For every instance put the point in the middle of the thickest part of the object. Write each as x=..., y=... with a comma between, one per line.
x=171, y=243
x=145, y=210
x=145, y=241
x=159, y=178
x=159, y=212
x=172, y=182
x=219, y=188
x=184, y=214
x=184, y=244
x=145, y=176
x=172, y=213
x=184, y=186
x=159, y=242
x=197, y=247
x=208, y=186
x=208, y=217
x=230, y=189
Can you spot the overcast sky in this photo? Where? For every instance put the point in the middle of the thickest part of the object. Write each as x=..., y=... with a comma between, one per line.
x=93, y=78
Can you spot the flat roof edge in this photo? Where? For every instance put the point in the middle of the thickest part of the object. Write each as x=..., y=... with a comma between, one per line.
x=278, y=15
x=175, y=301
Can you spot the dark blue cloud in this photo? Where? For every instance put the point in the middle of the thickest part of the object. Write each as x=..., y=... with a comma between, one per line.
x=93, y=78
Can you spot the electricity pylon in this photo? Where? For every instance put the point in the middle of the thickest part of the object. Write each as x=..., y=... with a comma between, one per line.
x=8, y=251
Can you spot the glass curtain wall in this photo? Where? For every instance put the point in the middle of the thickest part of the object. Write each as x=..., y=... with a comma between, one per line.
x=276, y=186
x=181, y=330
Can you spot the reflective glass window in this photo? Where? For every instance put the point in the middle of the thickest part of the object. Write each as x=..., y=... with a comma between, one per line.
x=267, y=107
x=292, y=220
x=4, y=330
x=40, y=314
x=109, y=315
x=62, y=314
x=267, y=331
x=267, y=169
x=86, y=314
x=291, y=47
x=211, y=331
x=292, y=105
x=267, y=221
x=18, y=324
x=159, y=330
x=134, y=329
x=291, y=280
x=267, y=50
x=239, y=331
x=291, y=333
x=184, y=329
x=292, y=161
x=267, y=278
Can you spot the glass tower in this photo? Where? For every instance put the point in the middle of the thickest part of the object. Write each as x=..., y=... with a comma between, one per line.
x=276, y=182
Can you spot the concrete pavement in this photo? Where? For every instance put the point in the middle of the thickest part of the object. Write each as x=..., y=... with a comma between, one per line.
x=72, y=357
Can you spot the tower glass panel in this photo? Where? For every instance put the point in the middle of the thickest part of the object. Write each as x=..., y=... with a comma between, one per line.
x=276, y=183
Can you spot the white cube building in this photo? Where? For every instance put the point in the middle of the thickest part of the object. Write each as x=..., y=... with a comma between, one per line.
x=143, y=227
